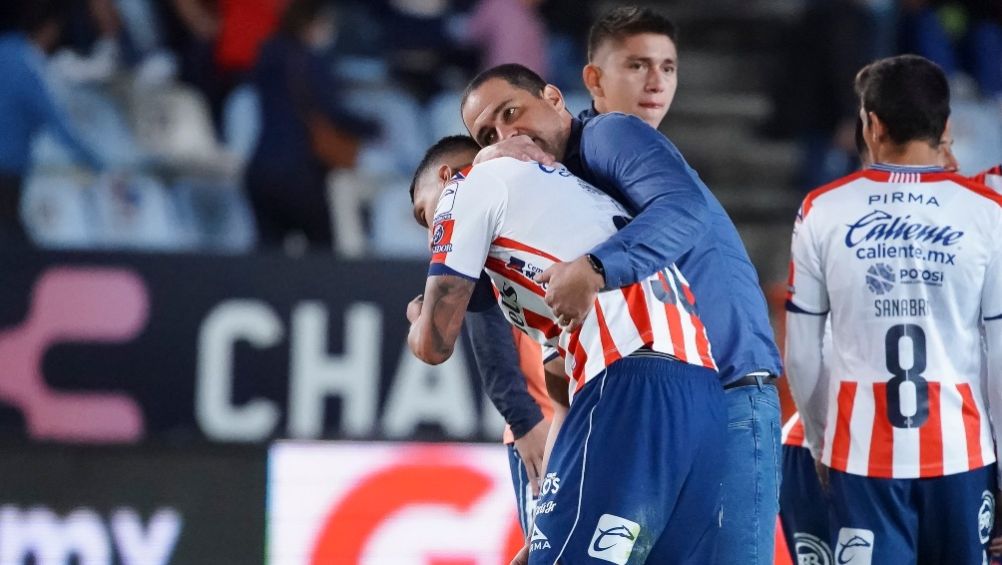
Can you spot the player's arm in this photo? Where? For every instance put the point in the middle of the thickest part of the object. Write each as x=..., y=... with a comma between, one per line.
x=632, y=160
x=806, y=311
x=498, y=362
x=991, y=311
x=465, y=224
x=671, y=210
x=437, y=316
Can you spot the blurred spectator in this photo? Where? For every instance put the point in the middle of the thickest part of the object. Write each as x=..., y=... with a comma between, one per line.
x=304, y=132
x=420, y=51
x=220, y=43
x=959, y=35
x=567, y=22
x=813, y=98
x=93, y=42
x=27, y=104
x=508, y=31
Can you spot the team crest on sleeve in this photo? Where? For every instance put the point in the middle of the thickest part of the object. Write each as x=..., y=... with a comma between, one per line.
x=441, y=239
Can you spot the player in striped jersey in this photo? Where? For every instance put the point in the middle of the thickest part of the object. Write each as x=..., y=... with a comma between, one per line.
x=646, y=417
x=802, y=511
x=904, y=257
x=992, y=178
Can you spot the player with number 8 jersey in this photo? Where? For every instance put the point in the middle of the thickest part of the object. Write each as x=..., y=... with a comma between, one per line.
x=904, y=258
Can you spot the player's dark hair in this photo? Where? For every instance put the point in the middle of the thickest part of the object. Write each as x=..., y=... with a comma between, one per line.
x=910, y=94
x=443, y=147
x=626, y=21
x=514, y=74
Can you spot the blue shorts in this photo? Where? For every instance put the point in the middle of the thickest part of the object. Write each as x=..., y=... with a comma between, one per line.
x=635, y=473
x=802, y=508
x=524, y=501
x=943, y=520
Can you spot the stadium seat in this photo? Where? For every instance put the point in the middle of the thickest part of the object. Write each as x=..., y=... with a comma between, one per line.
x=217, y=213
x=402, y=140
x=977, y=134
x=174, y=124
x=136, y=212
x=57, y=210
x=395, y=234
x=99, y=120
x=444, y=117
x=242, y=121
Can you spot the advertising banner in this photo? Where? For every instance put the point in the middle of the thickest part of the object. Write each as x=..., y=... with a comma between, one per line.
x=132, y=506
x=118, y=348
x=406, y=504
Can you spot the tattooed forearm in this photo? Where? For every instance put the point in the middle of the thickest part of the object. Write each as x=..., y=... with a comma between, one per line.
x=433, y=336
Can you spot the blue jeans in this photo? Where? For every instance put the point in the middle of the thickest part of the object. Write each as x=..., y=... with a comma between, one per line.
x=751, y=483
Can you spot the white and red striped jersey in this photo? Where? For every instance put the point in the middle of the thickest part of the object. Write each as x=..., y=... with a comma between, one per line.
x=517, y=219
x=793, y=432
x=906, y=262
x=992, y=178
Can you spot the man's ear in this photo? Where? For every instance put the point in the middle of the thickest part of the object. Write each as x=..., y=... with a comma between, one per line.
x=554, y=97
x=591, y=75
x=877, y=128
x=445, y=173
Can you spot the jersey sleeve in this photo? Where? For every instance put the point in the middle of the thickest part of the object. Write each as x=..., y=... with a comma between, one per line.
x=467, y=220
x=991, y=296
x=807, y=292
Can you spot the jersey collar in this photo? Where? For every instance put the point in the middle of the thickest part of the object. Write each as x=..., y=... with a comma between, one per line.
x=887, y=167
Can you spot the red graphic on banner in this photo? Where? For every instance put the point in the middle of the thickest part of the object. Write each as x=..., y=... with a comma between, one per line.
x=351, y=524
x=73, y=305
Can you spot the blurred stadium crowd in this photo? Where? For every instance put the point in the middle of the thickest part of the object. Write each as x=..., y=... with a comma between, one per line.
x=228, y=125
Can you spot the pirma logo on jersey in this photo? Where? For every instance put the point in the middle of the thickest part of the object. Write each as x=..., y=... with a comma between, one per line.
x=854, y=547
x=880, y=278
x=538, y=540
x=613, y=539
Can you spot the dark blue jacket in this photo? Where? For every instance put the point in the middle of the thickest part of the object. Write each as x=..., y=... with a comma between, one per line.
x=676, y=220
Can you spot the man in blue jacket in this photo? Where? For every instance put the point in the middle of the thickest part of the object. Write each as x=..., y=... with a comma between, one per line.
x=27, y=104
x=677, y=219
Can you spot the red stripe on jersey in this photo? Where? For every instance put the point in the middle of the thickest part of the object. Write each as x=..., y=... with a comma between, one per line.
x=982, y=177
x=814, y=194
x=702, y=344
x=609, y=349
x=674, y=323
x=979, y=188
x=843, y=419
x=512, y=244
x=541, y=323
x=789, y=282
x=881, y=462
x=931, y=436
x=499, y=267
x=637, y=306
x=580, y=358
x=795, y=437
x=972, y=427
